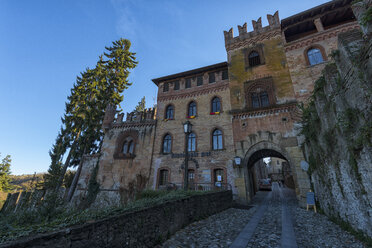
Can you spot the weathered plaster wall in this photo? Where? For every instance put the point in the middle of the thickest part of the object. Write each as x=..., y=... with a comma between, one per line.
x=275, y=66
x=120, y=178
x=338, y=128
x=120, y=175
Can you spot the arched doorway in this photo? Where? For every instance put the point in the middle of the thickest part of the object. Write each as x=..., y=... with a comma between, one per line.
x=284, y=174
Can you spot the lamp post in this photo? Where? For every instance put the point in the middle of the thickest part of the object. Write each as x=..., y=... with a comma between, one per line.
x=187, y=128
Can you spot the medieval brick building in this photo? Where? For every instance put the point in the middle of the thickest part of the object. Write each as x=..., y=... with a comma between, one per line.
x=246, y=107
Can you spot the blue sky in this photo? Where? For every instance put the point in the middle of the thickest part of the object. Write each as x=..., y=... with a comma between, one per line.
x=45, y=44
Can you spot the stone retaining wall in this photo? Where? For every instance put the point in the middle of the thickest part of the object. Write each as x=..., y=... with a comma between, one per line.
x=142, y=228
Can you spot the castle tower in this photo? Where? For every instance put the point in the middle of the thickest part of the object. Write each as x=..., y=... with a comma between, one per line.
x=109, y=117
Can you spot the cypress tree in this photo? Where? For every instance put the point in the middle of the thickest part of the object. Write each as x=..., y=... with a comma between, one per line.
x=94, y=90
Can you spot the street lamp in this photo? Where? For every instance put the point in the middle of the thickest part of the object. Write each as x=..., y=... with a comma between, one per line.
x=187, y=128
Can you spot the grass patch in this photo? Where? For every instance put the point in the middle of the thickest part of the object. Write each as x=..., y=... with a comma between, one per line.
x=32, y=222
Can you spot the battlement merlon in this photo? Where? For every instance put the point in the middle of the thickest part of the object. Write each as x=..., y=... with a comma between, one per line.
x=148, y=114
x=274, y=23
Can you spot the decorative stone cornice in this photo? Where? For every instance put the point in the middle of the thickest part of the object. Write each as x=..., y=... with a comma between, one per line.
x=238, y=43
x=217, y=88
x=289, y=107
x=333, y=32
x=133, y=124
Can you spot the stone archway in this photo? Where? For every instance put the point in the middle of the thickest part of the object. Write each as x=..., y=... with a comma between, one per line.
x=259, y=151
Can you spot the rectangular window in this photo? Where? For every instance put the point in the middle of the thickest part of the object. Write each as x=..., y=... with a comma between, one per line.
x=212, y=79
x=165, y=87
x=199, y=80
x=225, y=75
x=177, y=85
x=163, y=178
x=264, y=97
x=255, y=101
x=188, y=83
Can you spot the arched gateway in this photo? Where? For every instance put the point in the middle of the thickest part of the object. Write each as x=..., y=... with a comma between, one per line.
x=262, y=150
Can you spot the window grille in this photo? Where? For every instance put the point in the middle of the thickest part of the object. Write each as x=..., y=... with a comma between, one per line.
x=163, y=177
x=254, y=59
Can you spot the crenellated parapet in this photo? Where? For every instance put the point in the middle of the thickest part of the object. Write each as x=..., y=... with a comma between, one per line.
x=258, y=34
x=148, y=115
x=135, y=116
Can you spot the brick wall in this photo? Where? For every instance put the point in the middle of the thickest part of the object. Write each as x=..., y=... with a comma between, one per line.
x=203, y=125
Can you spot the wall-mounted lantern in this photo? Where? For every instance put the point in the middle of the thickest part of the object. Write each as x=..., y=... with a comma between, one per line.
x=237, y=160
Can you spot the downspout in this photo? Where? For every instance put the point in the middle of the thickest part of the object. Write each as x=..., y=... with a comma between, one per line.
x=152, y=152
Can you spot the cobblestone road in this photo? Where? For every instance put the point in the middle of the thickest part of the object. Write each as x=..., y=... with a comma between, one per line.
x=275, y=220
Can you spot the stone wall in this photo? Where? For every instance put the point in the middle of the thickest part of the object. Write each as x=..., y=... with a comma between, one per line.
x=338, y=127
x=143, y=228
x=120, y=175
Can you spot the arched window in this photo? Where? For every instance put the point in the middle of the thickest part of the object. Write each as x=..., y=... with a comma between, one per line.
x=260, y=99
x=128, y=146
x=169, y=113
x=254, y=59
x=163, y=177
x=192, y=109
x=217, y=139
x=191, y=144
x=167, y=144
x=125, y=147
x=216, y=105
x=315, y=56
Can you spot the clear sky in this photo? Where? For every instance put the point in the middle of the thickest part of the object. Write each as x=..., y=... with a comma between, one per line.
x=45, y=44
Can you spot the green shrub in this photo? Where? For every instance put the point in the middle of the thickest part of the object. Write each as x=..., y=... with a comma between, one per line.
x=148, y=193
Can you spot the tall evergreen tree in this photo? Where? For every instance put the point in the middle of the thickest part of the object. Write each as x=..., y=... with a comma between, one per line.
x=93, y=91
x=4, y=173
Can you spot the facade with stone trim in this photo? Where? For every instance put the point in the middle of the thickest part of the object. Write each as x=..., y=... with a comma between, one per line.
x=245, y=107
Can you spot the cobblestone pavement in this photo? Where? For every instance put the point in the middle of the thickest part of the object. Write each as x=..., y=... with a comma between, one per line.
x=269, y=229
x=218, y=230
x=221, y=230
